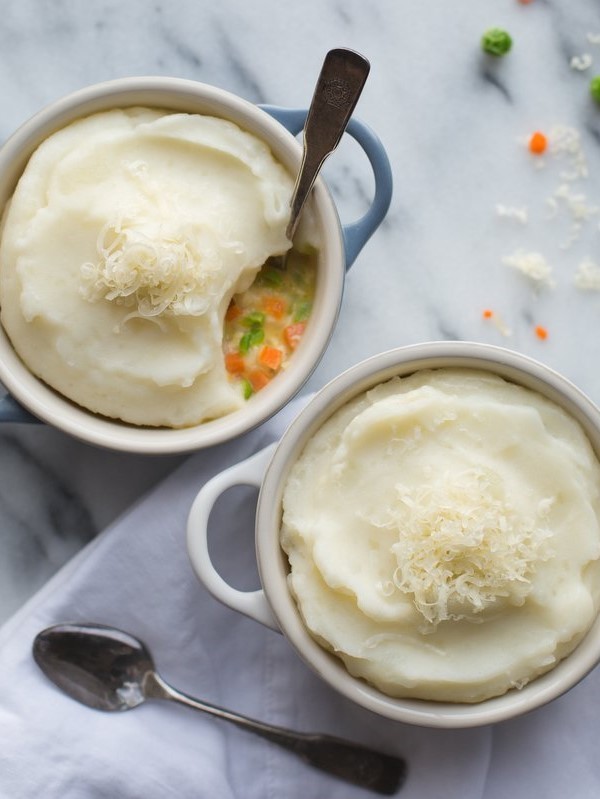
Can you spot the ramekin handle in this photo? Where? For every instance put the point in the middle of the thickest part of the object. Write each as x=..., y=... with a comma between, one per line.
x=11, y=411
x=251, y=603
x=357, y=233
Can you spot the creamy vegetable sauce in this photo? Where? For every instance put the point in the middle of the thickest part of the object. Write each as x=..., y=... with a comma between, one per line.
x=265, y=324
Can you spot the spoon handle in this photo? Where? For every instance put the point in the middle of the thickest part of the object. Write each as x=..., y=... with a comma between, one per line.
x=338, y=88
x=381, y=773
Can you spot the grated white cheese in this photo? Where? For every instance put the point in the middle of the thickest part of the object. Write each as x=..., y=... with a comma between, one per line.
x=462, y=546
x=587, y=277
x=533, y=265
x=170, y=273
x=581, y=62
x=512, y=212
x=593, y=38
x=566, y=142
x=576, y=205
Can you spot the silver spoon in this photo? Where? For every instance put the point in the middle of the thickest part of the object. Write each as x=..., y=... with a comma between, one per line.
x=338, y=88
x=108, y=669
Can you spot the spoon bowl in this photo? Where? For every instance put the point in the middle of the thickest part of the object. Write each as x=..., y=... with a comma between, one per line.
x=99, y=666
x=108, y=669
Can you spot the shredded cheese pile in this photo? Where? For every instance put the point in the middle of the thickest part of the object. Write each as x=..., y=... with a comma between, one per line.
x=462, y=546
x=166, y=274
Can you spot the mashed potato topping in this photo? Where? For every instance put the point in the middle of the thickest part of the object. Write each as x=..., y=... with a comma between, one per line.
x=443, y=534
x=126, y=237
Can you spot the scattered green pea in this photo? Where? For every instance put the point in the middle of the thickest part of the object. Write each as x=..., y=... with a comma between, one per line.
x=496, y=42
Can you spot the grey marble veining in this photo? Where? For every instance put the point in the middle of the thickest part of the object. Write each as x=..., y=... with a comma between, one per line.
x=454, y=123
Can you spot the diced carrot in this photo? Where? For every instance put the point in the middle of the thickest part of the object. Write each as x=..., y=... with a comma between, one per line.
x=538, y=143
x=258, y=379
x=541, y=332
x=233, y=312
x=487, y=314
x=293, y=334
x=271, y=357
x=234, y=363
x=274, y=306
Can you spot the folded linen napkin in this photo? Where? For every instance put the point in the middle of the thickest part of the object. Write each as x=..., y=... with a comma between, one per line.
x=136, y=576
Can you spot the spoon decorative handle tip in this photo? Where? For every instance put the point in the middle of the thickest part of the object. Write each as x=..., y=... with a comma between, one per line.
x=338, y=88
x=381, y=773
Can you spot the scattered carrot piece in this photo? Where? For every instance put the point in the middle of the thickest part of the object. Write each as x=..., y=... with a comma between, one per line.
x=525, y=2
x=487, y=314
x=293, y=334
x=541, y=332
x=538, y=143
x=258, y=379
x=233, y=312
x=271, y=357
x=234, y=363
x=274, y=306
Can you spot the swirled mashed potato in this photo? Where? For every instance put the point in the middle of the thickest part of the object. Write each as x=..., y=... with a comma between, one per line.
x=126, y=237
x=443, y=535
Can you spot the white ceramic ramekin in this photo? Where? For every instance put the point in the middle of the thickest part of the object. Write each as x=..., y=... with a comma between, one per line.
x=340, y=246
x=274, y=605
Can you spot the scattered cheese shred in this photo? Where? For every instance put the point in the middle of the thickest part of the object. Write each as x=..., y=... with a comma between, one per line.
x=533, y=265
x=462, y=546
x=593, y=38
x=566, y=142
x=576, y=205
x=512, y=212
x=587, y=277
x=581, y=62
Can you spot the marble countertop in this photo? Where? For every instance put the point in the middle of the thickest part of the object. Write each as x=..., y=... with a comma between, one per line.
x=455, y=124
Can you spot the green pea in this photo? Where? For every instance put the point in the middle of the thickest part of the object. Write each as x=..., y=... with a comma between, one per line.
x=496, y=42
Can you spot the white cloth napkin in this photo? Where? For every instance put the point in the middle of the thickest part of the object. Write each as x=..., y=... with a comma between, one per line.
x=136, y=576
